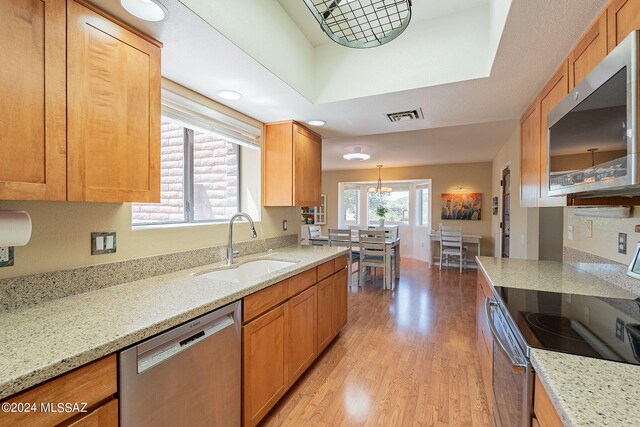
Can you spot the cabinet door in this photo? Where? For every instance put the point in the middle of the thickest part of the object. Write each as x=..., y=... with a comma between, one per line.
x=307, y=165
x=105, y=416
x=484, y=343
x=32, y=105
x=277, y=184
x=552, y=94
x=326, y=322
x=589, y=51
x=264, y=363
x=623, y=16
x=530, y=156
x=302, y=330
x=340, y=295
x=113, y=111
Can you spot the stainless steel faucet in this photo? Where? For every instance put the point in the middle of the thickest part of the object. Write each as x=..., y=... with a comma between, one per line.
x=231, y=253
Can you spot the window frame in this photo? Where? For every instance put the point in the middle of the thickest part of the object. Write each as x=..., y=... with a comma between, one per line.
x=420, y=220
x=188, y=149
x=394, y=187
x=358, y=190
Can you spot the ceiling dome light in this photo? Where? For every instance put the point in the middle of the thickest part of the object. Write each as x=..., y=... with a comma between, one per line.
x=317, y=122
x=230, y=95
x=149, y=10
x=357, y=154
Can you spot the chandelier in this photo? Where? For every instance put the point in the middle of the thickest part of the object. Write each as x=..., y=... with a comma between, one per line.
x=379, y=189
x=361, y=23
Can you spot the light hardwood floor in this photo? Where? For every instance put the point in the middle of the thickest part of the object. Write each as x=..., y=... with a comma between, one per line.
x=406, y=358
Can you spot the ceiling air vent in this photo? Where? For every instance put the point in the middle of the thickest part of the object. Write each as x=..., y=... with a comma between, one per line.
x=404, y=116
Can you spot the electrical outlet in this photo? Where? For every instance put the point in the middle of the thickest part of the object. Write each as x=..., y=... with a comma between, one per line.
x=103, y=242
x=285, y=225
x=6, y=256
x=620, y=329
x=589, y=228
x=622, y=243
x=587, y=316
x=570, y=232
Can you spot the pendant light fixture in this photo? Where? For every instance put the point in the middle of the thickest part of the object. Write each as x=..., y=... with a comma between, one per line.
x=361, y=23
x=379, y=189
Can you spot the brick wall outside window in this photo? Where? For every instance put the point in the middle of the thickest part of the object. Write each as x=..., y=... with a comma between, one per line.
x=215, y=179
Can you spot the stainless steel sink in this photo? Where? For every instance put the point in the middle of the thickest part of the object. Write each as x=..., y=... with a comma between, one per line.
x=247, y=271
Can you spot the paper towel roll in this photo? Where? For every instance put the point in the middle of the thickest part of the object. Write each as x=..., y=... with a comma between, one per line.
x=15, y=228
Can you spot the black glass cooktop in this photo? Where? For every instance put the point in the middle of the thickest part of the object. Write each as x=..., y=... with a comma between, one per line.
x=600, y=327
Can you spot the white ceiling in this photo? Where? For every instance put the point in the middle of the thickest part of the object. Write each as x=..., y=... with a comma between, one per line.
x=537, y=36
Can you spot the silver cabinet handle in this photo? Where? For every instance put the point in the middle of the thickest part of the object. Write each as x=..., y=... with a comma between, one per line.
x=515, y=361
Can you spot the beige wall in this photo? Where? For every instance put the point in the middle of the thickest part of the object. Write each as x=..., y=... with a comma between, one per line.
x=62, y=235
x=524, y=221
x=604, y=235
x=474, y=177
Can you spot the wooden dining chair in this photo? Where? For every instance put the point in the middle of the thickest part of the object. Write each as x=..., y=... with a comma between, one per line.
x=342, y=237
x=451, y=246
x=390, y=232
x=373, y=252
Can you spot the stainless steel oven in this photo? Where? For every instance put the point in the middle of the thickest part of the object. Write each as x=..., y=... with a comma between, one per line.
x=512, y=372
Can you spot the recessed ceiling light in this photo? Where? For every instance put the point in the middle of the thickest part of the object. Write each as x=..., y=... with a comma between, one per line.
x=357, y=154
x=317, y=122
x=149, y=10
x=231, y=95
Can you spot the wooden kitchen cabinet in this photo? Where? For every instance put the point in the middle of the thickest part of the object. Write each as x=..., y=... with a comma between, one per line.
x=623, y=16
x=113, y=110
x=32, y=105
x=484, y=339
x=589, y=51
x=299, y=318
x=292, y=165
x=543, y=411
x=326, y=318
x=94, y=384
x=264, y=363
x=530, y=156
x=554, y=91
x=302, y=327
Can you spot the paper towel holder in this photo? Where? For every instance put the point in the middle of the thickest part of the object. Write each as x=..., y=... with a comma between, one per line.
x=15, y=228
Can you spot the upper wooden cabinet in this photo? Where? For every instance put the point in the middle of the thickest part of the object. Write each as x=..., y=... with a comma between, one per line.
x=292, y=165
x=530, y=156
x=554, y=91
x=32, y=105
x=589, y=51
x=623, y=16
x=113, y=110
x=94, y=139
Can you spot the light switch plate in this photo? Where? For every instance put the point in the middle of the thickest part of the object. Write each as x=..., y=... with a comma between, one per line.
x=6, y=256
x=570, y=232
x=589, y=228
x=103, y=242
x=285, y=225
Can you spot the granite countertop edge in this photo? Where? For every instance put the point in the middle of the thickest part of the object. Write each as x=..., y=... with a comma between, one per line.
x=13, y=381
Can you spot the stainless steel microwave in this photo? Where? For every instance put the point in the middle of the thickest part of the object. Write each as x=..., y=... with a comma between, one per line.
x=592, y=133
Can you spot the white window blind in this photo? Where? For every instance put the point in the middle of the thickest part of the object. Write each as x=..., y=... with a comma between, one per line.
x=194, y=115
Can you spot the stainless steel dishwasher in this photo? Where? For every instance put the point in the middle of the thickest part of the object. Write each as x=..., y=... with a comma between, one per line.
x=187, y=376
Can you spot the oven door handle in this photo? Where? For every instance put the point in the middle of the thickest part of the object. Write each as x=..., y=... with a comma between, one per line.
x=515, y=361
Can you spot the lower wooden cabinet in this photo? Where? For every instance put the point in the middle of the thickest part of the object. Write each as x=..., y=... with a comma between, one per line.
x=94, y=384
x=544, y=413
x=279, y=345
x=264, y=363
x=303, y=322
x=484, y=339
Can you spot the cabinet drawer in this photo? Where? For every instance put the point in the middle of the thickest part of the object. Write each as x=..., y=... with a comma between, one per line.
x=300, y=282
x=484, y=285
x=325, y=270
x=258, y=303
x=340, y=263
x=105, y=416
x=88, y=384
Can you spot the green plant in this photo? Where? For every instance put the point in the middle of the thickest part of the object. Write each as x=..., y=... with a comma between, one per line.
x=381, y=211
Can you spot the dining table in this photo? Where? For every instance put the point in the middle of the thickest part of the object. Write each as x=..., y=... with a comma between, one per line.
x=392, y=244
x=434, y=238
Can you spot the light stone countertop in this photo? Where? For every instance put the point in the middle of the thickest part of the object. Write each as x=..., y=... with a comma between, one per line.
x=44, y=341
x=584, y=391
